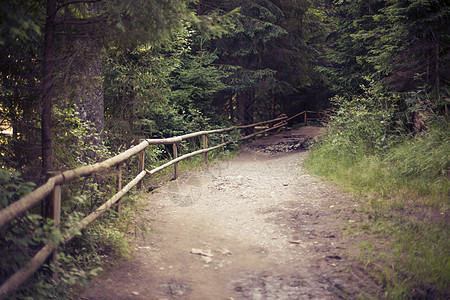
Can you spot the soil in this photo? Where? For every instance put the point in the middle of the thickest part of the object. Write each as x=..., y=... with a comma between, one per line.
x=254, y=227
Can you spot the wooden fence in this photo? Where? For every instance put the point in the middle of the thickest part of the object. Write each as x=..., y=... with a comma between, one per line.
x=51, y=191
x=320, y=116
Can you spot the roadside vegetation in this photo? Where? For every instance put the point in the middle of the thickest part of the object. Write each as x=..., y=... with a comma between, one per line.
x=388, y=140
x=402, y=181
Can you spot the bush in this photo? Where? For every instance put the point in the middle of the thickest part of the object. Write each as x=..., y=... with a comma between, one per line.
x=78, y=260
x=361, y=124
x=401, y=178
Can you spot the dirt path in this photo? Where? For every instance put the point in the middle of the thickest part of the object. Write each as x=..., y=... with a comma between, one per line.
x=255, y=227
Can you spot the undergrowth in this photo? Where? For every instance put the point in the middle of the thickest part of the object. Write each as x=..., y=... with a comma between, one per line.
x=77, y=261
x=403, y=182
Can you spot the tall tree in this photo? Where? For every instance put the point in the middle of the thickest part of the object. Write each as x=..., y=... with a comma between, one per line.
x=48, y=84
x=402, y=44
x=270, y=52
x=411, y=43
x=77, y=31
x=257, y=25
x=21, y=26
x=346, y=66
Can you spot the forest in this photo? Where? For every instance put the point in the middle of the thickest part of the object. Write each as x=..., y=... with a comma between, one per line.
x=83, y=80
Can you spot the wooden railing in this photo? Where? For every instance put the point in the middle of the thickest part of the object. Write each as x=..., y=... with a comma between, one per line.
x=320, y=116
x=51, y=191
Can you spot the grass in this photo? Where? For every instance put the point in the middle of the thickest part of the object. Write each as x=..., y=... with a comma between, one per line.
x=405, y=193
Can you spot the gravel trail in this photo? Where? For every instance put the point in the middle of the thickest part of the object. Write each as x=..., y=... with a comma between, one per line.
x=255, y=227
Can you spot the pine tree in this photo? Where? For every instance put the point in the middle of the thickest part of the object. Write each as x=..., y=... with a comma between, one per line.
x=20, y=43
x=402, y=44
x=411, y=44
x=77, y=31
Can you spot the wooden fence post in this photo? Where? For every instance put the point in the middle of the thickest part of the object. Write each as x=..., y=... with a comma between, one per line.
x=56, y=217
x=141, y=166
x=175, y=165
x=119, y=186
x=205, y=146
x=305, y=116
x=47, y=202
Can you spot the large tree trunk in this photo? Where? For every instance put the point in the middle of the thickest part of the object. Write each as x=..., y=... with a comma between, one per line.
x=48, y=79
x=48, y=91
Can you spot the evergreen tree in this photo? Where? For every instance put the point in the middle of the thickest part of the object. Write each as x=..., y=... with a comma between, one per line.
x=402, y=44
x=77, y=31
x=347, y=56
x=411, y=44
x=271, y=52
x=246, y=47
x=20, y=41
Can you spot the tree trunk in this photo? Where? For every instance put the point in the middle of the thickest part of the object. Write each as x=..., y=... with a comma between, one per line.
x=48, y=88
x=438, y=58
x=199, y=8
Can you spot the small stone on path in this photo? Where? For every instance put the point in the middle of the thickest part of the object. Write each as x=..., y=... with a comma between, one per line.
x=201, y=252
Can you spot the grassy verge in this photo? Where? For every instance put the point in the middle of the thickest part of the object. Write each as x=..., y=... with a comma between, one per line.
x=405, y=193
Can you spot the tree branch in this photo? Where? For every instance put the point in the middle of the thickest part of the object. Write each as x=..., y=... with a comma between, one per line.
x=78, y=21
x=77, y=2
x=101, y=33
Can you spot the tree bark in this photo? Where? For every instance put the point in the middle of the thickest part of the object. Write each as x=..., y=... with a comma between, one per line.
x=200, y=8
x=438, y=58
x=48, y=87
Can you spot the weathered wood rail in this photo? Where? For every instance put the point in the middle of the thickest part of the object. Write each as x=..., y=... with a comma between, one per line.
x=51, y=191
x=320, y=116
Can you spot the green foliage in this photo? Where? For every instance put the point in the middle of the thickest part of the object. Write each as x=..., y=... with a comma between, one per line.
x=345, y=71
x=195, y=82
x=19, y=48
x=402, y=44
x=160, y=77
x=12, y=187
x=415, y=262
x=20, y=239
x=20, y=21
x=404, y=185
x=163, y=90
x=99, y=240
x=422, y=164
x=24, y=236
x=425, y=155
x=409, y=35
x=249, y=47
x=269, y=55
x=362, y=124
x=77, y=143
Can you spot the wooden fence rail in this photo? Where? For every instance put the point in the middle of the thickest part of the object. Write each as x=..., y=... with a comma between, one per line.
x=320, y=116
x=51, y=190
